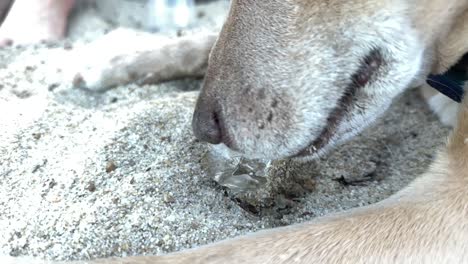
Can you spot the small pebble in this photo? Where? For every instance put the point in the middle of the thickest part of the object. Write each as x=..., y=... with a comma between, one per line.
x=201, y=14
x=37, y=136
x=91, y=186
x=310, y=185
x=52, y=87
x=168, y=198
x=110, y=167
x=67, y=46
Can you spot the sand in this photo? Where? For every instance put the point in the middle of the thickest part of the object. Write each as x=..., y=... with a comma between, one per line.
x=86, y=175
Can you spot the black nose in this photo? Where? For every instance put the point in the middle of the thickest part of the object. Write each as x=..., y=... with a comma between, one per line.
x=206, y=122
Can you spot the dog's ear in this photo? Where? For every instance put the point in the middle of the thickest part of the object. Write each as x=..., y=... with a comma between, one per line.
x=454, y=46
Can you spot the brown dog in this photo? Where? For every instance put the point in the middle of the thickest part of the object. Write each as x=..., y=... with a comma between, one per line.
x=294, y=78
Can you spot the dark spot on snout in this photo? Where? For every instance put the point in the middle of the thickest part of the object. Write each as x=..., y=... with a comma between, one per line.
x=262, y=94
x=270, y=117
x=247, y=90
x=274, y=104
x=261, y=125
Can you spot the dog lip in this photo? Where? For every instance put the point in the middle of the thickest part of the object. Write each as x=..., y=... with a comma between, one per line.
x=313, y=148
x=369, y=66
x=229, y=142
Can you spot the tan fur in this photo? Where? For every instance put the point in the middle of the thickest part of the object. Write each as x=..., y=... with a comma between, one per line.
x=294, y=59
x=454, y=45
x=449, y=48
x=124, y=56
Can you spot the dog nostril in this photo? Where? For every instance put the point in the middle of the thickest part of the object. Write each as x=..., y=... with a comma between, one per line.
x=206, y=125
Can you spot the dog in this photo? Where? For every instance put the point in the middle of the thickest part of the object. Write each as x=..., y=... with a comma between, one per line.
x=296, y=78
x=427, y=222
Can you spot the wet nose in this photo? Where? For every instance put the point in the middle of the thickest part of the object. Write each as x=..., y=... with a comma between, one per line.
x=206, y=122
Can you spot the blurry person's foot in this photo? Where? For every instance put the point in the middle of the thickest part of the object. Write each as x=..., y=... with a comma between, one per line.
x=33, y=21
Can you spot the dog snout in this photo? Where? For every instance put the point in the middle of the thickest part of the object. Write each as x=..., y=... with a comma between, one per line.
x=207, y=122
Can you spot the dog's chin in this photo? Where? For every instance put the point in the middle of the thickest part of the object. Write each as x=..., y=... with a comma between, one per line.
x=318, y=149
x=320, y=146
x=301, y=154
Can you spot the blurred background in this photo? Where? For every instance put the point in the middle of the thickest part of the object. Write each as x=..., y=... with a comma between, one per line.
x=159, y=15
x=91, y=18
